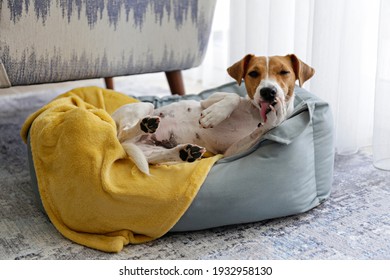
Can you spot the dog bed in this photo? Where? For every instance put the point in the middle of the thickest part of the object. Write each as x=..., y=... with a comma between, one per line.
x=289, y=171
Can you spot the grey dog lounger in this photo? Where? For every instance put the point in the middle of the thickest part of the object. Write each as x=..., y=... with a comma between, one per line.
x=289, y=171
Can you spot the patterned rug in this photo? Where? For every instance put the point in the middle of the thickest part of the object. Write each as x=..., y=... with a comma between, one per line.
x=354, y=223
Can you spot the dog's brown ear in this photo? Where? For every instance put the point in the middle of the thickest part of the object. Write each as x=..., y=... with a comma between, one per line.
x=302, y=71
x=238, y=70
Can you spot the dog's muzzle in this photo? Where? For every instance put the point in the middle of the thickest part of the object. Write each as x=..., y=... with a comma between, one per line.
x=267, y=98
x=268, y=94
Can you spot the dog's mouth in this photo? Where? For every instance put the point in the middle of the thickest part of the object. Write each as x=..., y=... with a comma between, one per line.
x=265, y=108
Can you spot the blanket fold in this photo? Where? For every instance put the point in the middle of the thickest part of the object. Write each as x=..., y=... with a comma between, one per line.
x=91, y=191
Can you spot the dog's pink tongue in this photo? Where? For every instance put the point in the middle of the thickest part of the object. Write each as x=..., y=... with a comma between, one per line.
x=263, y=110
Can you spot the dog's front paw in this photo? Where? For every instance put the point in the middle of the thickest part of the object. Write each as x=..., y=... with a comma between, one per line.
x=190, y=153
x=277, y=114
x=149, y=124
x=211, y=117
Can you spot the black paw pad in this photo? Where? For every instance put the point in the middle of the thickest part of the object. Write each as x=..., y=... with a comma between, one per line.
x=150, y=124
x=190, y=153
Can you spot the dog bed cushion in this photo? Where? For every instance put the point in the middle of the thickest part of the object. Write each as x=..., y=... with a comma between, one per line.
x=289, y=171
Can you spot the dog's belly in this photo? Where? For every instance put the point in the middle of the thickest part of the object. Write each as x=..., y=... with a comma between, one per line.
x=180, y=125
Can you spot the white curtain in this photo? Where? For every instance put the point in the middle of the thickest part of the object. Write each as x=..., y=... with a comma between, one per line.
x=339, y=38
x=381, y=141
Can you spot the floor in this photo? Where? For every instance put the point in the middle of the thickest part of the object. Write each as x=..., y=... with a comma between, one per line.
x=354, y=223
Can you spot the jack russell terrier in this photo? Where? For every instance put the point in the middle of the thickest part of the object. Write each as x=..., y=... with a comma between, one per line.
x=224, y=123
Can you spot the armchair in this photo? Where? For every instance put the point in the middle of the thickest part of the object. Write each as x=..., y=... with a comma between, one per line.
x=44, y=41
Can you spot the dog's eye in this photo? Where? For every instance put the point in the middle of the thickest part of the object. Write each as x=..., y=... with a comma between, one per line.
x=254, y=74
x=284, y=72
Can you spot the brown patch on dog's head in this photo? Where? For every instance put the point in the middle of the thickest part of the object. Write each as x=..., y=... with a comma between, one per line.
x=238, y=70
x=303, y=72
x=285, y=70
x=249, y=68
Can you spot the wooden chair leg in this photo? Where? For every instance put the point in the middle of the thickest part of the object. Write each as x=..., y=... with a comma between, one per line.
x=109, y=81
x=175, y=81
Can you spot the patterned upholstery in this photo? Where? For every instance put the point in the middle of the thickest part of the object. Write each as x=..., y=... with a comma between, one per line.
x=44, y=41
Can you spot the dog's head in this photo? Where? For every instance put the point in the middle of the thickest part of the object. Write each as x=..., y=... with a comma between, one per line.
x=269, y=77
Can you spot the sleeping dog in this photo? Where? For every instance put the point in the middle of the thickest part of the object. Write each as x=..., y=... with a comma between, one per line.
x=224, y=123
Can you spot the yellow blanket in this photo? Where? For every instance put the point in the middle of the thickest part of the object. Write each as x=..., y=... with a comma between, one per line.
x=91, y=191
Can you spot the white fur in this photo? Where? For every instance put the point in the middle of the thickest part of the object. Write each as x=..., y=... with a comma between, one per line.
x=222, y=123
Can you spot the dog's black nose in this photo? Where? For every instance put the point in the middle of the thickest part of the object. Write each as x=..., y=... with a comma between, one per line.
x=268, y=93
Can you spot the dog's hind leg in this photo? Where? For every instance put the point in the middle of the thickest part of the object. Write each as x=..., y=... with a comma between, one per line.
x=146, y=125
x=180, y=153
x=135, y=120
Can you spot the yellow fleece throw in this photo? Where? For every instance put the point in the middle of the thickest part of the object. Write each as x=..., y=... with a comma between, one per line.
x=91, y=191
